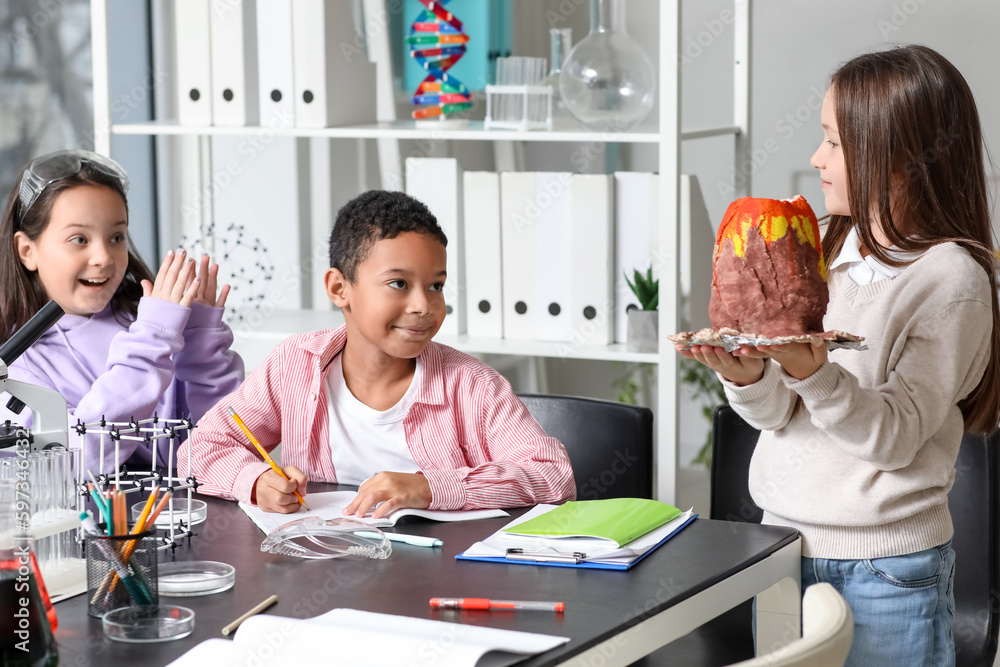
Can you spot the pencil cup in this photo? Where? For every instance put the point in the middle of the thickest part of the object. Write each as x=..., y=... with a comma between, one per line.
x=121, y=572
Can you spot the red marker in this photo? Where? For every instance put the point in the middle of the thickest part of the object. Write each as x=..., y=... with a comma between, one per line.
x=484, y=603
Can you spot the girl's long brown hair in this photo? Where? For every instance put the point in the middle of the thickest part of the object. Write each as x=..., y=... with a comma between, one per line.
x=914, y=156
x=23, y=292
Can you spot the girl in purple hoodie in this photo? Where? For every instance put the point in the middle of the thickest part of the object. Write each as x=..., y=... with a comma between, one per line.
x=131, y=344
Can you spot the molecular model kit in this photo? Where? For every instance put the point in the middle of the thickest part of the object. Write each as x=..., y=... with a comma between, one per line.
x=181, y=511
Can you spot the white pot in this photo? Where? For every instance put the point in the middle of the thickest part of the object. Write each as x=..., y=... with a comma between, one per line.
x=643, y=331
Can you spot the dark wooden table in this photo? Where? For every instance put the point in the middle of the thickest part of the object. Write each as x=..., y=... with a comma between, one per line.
x=709, y=567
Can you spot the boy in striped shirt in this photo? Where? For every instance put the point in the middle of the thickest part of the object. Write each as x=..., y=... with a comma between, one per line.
x=376, y=402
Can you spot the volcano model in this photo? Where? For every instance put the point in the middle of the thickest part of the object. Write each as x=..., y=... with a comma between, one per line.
x=769, y=277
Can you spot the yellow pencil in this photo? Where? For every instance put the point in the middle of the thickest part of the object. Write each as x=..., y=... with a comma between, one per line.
x=263, y=452
x=146, y=509
x=151, y=520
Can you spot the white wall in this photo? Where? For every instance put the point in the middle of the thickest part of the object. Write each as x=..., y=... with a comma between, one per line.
x=796, y=46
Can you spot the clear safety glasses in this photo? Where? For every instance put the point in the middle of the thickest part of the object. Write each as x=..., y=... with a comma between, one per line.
x=53, y=167
x=316, y=538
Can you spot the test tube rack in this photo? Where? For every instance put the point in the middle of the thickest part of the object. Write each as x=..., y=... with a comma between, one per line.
x=514, y=107
x=53, y=505
x=519, y=100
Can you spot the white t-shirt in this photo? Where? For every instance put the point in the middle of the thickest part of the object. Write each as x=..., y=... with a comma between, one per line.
x=364, y=441
x=867, y=270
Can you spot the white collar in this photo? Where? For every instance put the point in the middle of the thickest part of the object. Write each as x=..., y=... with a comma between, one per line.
x=865, y=270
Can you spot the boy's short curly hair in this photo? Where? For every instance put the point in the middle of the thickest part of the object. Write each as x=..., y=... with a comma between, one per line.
x=373, y=216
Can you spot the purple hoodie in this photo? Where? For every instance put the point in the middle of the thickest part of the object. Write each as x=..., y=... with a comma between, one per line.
x=172, y=360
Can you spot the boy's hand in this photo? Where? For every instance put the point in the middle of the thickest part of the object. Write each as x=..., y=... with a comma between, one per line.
x=800, y=360
x=175, y=281
x=208, y=277
x=740, y=369
x=395, y=490
x=274, y=493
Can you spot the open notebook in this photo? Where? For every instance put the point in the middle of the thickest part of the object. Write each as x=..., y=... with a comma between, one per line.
x=352, y=638
x=331, y=504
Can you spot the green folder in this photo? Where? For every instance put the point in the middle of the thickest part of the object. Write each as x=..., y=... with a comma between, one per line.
x=619, y=520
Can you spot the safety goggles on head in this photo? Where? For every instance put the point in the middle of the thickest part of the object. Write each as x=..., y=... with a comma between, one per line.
x=53, y=167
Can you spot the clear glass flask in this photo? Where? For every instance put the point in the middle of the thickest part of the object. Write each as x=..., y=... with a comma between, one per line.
x=608, y=82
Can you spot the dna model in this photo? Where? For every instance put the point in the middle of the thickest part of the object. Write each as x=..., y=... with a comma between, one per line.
x=437, y=42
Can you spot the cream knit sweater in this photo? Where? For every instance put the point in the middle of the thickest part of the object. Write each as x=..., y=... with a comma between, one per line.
x=860, y=456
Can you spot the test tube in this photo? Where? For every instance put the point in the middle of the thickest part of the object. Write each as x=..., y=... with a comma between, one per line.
x=74, y=538
x=515, y=79
x=52, y=479
x=34, y=485
x=8, y=497
x=41, y=489
x=74, y=479
x=57, y=479
x=501, y=78
x=538, y=112
x=518, y=100
x=541, y=100
x=33, y=491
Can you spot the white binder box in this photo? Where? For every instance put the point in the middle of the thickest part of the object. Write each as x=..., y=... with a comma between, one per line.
x=483, y=256
x=334, y=81
x=193, y=76
x=276, y=82
x=234, y=62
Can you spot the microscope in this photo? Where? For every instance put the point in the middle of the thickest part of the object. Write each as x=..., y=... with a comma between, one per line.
x=49, y=420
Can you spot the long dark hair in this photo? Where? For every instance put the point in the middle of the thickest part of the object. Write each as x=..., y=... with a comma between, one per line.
x=914, y=157
x=23, y=291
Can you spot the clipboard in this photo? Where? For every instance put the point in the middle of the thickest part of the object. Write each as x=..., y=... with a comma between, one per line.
x=574, y=559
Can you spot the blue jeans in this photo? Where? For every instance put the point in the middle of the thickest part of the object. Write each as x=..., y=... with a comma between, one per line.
x=903, y=606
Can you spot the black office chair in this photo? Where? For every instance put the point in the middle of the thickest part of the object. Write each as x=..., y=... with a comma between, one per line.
x=974, y=501
x=610, y=444
x=975, y=509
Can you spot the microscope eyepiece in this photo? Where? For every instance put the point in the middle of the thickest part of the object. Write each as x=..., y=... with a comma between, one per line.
x=24, y=337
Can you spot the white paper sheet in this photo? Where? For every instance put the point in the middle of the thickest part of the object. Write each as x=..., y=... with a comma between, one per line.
x=330, y=505
x=353, y=638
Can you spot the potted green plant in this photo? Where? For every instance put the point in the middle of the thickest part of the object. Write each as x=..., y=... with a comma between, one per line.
x=643, y=322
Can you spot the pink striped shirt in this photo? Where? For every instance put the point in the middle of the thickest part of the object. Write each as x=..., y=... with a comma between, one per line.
x=471, y=436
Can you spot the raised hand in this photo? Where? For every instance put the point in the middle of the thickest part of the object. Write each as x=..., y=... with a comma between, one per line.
x=395, y=490
x=208, y=276
x=175, y=282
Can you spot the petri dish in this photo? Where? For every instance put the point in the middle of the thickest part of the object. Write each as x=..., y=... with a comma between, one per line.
x=158, y=623
x=196, y=577
x=199, y=512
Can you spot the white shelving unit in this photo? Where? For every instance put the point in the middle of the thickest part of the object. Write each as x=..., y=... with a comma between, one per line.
x=667, y=135
x=564, y=130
